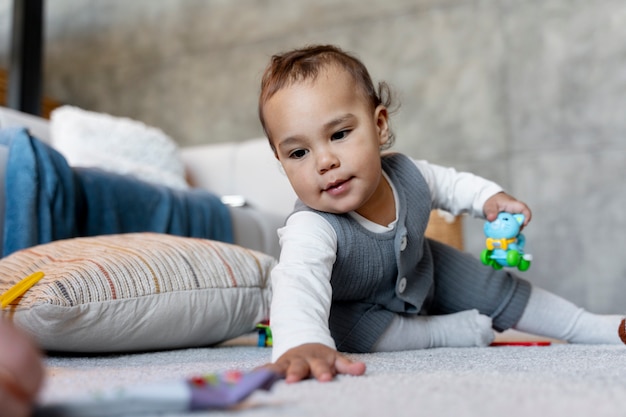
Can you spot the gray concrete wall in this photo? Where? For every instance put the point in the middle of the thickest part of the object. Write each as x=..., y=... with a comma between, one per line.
x=528, y=93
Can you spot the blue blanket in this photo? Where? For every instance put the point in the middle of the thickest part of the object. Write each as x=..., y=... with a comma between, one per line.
x=48, y=200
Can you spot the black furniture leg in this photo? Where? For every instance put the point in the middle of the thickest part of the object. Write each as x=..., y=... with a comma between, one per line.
x=25, y=72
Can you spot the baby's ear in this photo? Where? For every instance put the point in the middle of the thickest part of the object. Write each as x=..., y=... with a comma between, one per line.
x=520, y=218
x=382, y=123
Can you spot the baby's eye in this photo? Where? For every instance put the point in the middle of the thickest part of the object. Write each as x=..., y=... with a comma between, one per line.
x=298, y=153
x=340, y=135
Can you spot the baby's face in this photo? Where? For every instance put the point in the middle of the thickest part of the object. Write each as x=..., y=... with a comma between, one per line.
x=327, y=138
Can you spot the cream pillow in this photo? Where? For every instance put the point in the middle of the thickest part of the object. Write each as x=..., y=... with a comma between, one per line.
x=137, y=292
x=116, y=144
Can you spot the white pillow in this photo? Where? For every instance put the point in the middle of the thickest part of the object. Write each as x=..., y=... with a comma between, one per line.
x=116, y=144
x=137, y=292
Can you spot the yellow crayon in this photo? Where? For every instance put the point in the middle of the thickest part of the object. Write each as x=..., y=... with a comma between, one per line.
x=20, y=288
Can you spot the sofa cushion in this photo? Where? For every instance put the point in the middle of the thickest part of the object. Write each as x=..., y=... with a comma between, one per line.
x=247, y=168
x=117, y=144
x=137, y=292
x=37, y=126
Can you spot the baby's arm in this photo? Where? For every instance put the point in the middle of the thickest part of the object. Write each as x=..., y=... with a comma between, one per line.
x=464, y=192
x=301, y=301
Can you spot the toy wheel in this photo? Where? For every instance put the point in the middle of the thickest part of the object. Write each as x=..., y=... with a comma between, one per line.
x=485, y=256
x=524, y=265
x=513, y=258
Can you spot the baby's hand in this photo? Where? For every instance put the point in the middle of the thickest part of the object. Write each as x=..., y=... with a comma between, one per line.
x=314, y=360
x=503, y=202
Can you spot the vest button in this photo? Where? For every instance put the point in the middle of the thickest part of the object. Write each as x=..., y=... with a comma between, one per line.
x=402, y=285
x=403, y=243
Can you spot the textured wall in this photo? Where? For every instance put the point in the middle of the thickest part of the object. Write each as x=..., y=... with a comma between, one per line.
x=528, y=93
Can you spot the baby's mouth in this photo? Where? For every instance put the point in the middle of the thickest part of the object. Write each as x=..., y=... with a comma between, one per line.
x=336, y=187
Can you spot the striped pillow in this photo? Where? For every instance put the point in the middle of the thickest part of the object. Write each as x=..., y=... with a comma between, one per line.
x=137, y=292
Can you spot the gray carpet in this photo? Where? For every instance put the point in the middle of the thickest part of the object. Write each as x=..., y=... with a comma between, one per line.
x=559, y=380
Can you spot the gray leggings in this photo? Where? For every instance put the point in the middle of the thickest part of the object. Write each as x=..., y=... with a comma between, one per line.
x=462, y=283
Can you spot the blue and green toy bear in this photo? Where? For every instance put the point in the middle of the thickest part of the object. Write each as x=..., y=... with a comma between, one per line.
x=505, y=243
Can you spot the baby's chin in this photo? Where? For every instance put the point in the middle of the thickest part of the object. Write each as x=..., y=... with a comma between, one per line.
x=335, y=207
x=330, y=209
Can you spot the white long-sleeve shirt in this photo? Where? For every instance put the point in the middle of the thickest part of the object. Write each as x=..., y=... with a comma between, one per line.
x=301, y=287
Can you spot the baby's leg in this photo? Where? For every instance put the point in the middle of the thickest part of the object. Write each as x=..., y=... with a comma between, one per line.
x=463, y=329
x=463, y=283
x=547, y=314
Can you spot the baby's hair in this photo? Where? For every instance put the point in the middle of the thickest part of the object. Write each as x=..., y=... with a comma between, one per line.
x=306, y=63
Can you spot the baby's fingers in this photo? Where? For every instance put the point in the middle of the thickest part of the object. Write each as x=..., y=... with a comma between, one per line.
x=293, y=371
x=299, y=369
x=348, y=367
x=320, y=369
x=324, y=371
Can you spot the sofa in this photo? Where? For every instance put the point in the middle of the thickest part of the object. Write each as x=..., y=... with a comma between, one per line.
x=240, y=172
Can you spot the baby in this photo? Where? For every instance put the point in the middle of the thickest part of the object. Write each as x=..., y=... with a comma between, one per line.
x=356, y=273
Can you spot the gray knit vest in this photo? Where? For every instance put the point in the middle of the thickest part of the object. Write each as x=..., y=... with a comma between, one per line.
x=377, y=275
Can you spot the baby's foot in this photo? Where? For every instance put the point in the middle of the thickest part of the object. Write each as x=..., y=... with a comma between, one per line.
x=622, y=331
x=463, y=329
